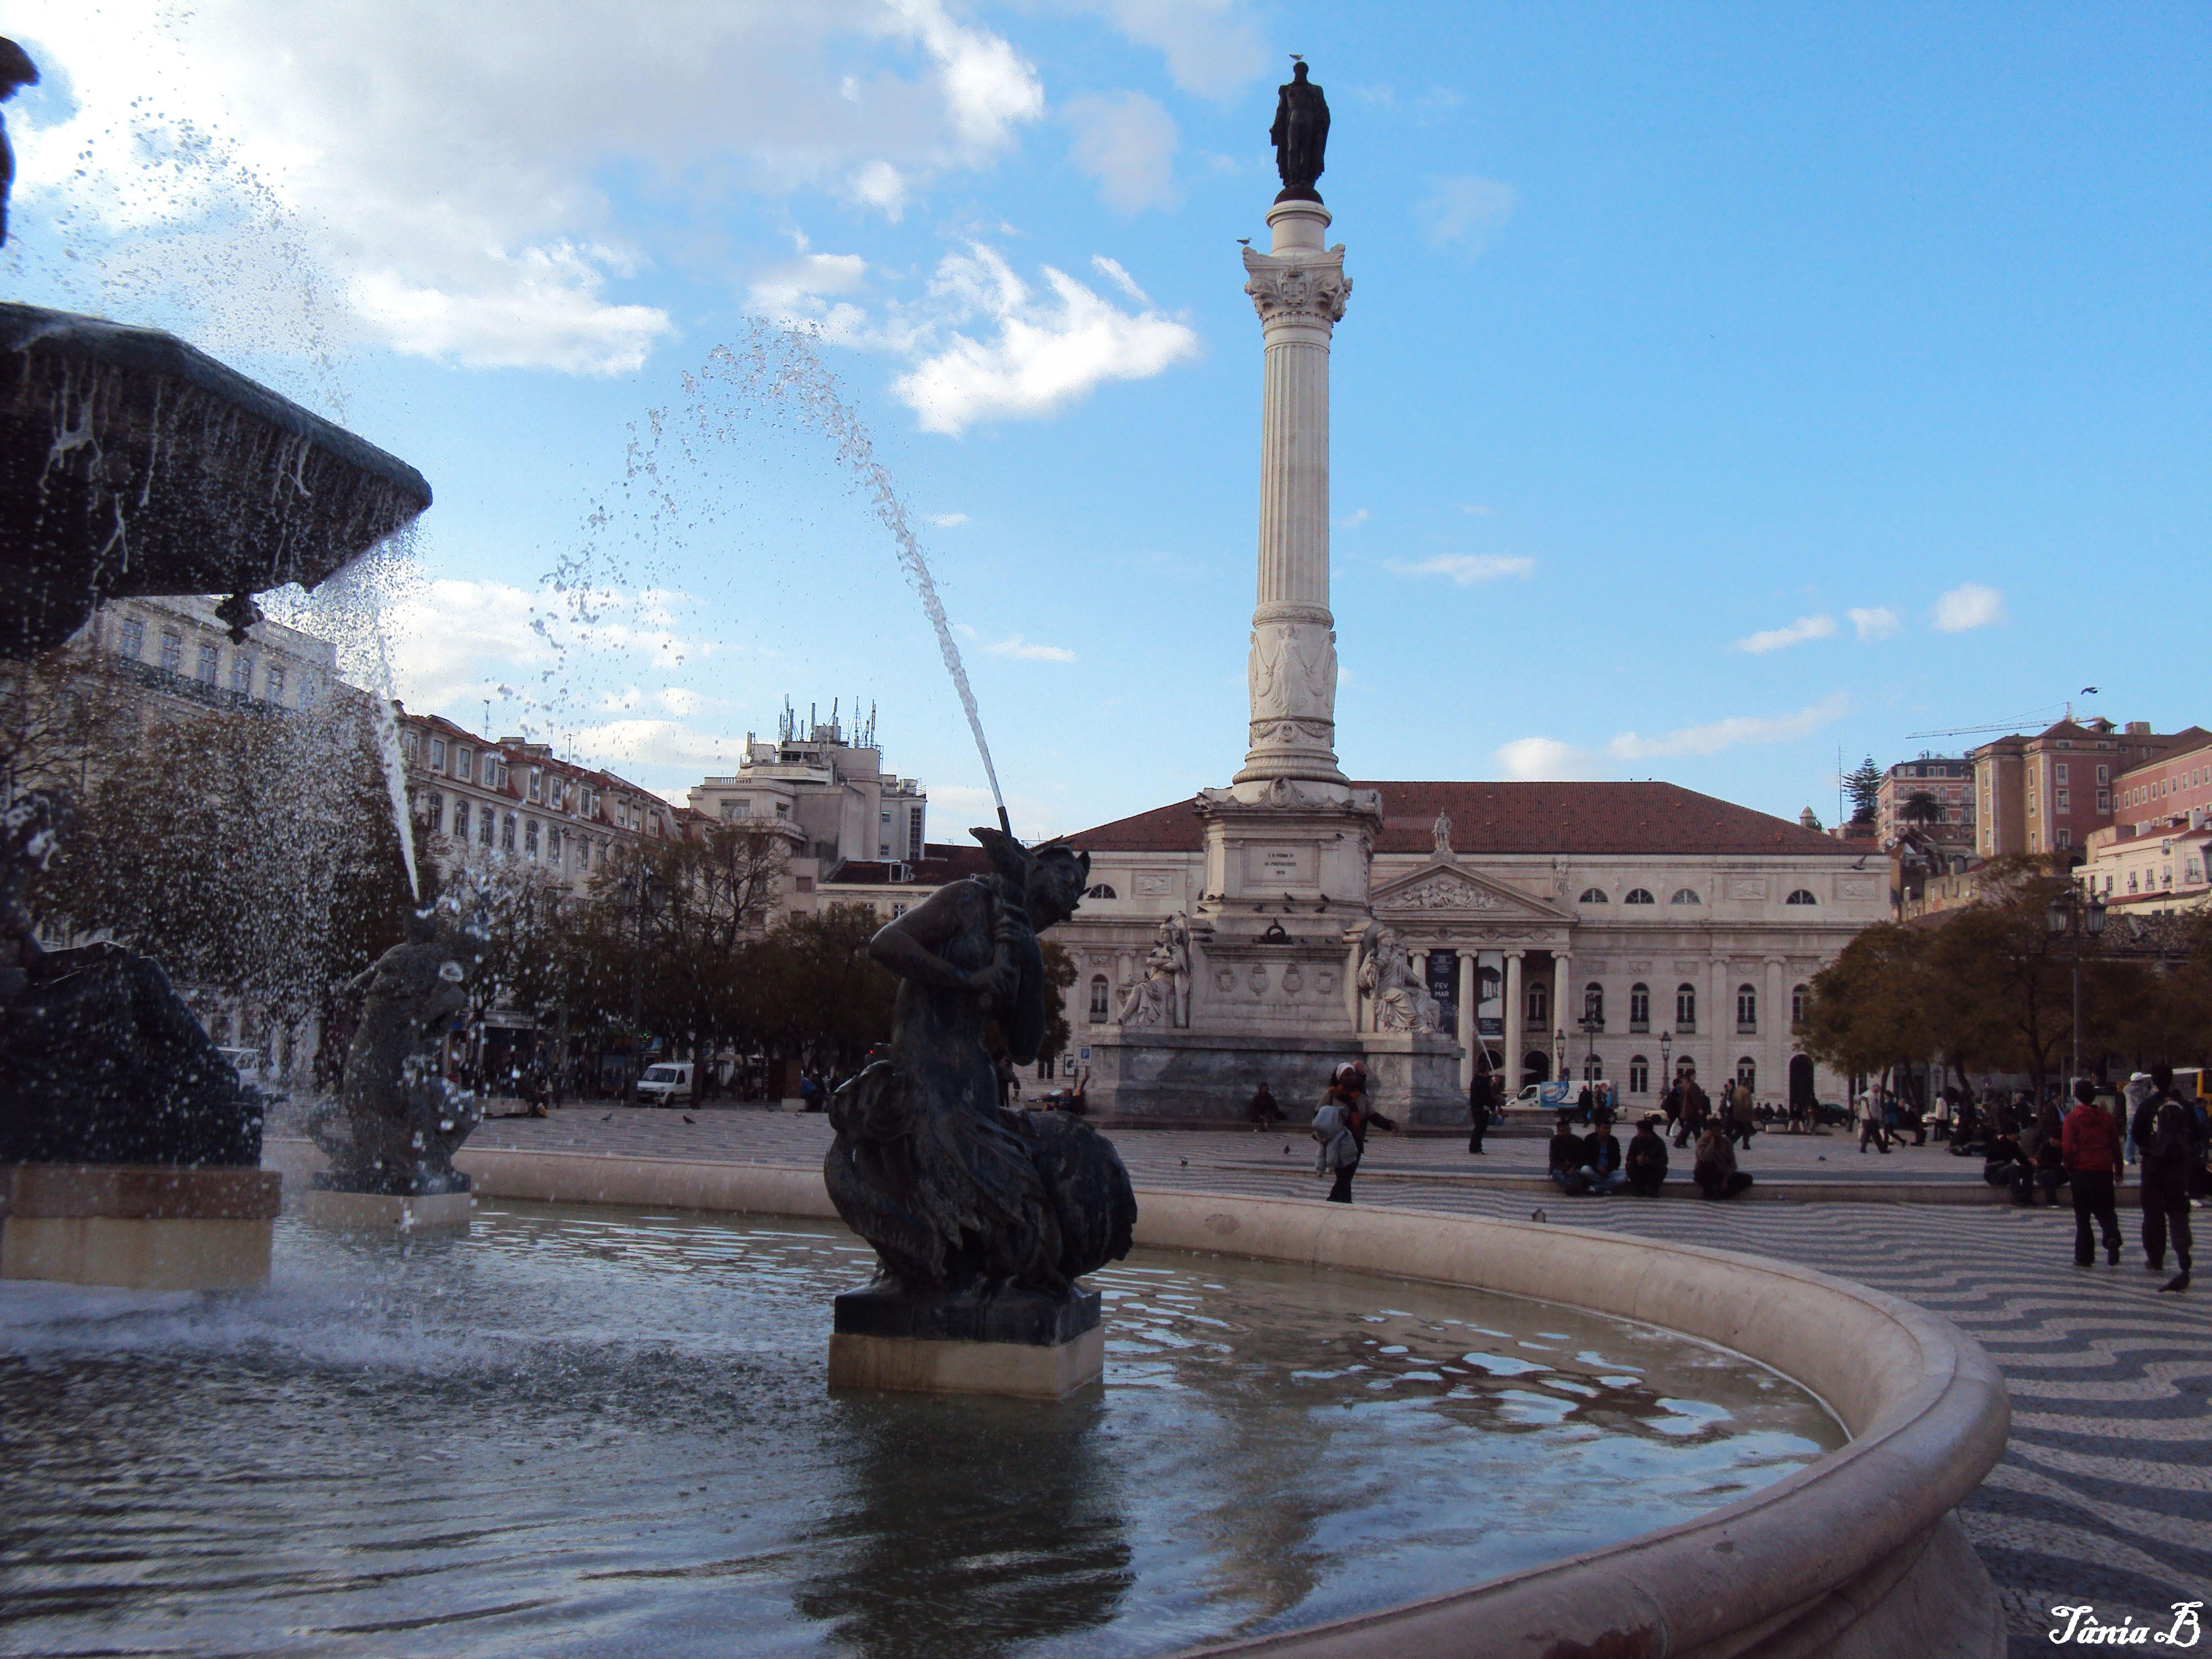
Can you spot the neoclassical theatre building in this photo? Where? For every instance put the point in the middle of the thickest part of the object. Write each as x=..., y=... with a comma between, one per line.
x=1600, y=929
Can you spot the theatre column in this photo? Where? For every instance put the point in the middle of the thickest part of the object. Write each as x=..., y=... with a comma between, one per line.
x=1517, y=1011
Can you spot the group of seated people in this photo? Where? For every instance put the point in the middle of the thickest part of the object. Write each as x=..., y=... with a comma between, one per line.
x=2007, y=1162
x=1595, y=1163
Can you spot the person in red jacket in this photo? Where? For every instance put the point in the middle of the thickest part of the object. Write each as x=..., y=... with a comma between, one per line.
x=2092, y=1146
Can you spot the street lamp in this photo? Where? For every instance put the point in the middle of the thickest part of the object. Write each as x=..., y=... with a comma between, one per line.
x=1592, y=1025
x=1560, y=1051
x=1666, y=1061
x=2072, y=917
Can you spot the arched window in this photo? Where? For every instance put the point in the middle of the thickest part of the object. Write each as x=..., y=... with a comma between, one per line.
x=1801, y=896
x=1102, y=890
x=1798, y=995
x=1098, y=989
x=1640, y=1075
x=1685, y=1007
x=1639, y=1007
x=1638, y=896
x=1594, y=1002
x=1746, y=1073
x=1746, y=1008
x=1686, y=896
x=1540, y=1003
x=1592, y=895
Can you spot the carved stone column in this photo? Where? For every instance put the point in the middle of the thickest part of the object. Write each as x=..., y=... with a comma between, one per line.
x=1562, y=962
x=1516, y=1012
x=1299, y=289
x=1468, y=1035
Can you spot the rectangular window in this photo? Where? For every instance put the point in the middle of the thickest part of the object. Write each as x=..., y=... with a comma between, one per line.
x=2104, y=775
x=434, y=819
x=241, y=674
x=486, y=818
x=2064, y=795
x=507, y=835
x=465, y=765
x=437, y=754
x=211, y=664
x=461, y=821
x=529, y=839
x=2065, y=838
x=2062, y=772
x=537, y=783
x=2104, y=800
x=172, y=652
x=2195, y=869
x=272, y=687
x=133, y=642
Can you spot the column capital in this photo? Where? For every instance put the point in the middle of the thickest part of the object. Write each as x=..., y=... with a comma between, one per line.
x=1309, y=292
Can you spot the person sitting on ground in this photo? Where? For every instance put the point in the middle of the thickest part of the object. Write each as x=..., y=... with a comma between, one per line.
x=1645, y=1166
x=1714, y=1171
x=1262, y=1109
x=2049, y=1162
x=1565, y=1168
x=1601, y=1170
x=2092, y=1144
x=2005, y=1164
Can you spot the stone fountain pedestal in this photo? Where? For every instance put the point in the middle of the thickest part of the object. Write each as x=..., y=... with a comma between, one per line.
x=139, y=1226
x=409, y=1214
x=1017, y=1343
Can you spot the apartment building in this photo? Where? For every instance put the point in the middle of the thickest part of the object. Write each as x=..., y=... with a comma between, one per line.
x=1948, y=782
x=2050, y=793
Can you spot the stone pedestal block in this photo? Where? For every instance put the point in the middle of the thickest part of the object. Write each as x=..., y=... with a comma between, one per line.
x=147, y=1227
x=1182, y=1078
x=1015, y=1343
x=1413, y=1079
x=384, y=1212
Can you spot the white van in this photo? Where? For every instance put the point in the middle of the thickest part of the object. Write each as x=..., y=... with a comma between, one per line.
x=673, y=1083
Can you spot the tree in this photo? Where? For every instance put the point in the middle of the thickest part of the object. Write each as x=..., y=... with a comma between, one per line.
x=1875, y=1006
x=1921, y=807
x=1863, y=783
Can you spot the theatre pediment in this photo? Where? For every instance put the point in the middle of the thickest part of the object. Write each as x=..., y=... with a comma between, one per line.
x=1444, y=889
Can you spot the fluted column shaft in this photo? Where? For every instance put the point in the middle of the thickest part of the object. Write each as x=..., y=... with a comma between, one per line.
x=1299, y=289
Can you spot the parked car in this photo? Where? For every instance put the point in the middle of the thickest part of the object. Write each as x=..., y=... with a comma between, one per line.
x=671, y=1083
x=246, y=1062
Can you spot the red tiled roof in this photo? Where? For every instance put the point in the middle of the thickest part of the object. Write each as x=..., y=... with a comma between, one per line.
x=1587, y=819
x=946, y=862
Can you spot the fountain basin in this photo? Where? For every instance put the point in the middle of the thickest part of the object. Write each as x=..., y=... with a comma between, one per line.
x=131, y=463
x=139, y=1226
x=1856, y=1556
x=384, y=1213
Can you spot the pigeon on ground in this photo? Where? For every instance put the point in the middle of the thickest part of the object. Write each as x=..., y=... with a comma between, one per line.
x=609, y=1118
x=688, y=1118
x=1536, y=1215
x=1184, y=1161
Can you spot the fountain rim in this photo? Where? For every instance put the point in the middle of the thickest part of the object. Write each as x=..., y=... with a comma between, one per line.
x=85, y=338
x=1857, y=1551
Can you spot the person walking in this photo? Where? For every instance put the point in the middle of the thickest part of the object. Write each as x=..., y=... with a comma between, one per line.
x=1870, y=1124
x=1337, y=1128
x=2167, y=1139
x=1714, y=1171
x=1695, y=1106
x=1481, y=1096
x=2092, y=1151
x=1645, y=1166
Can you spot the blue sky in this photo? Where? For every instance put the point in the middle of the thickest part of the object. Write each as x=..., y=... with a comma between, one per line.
x=1723, y=385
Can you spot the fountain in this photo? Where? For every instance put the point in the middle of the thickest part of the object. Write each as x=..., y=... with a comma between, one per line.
x=132, y=465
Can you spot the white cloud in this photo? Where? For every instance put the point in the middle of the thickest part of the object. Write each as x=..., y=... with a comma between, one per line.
x=1968, y=605
x=1126, y=141
x=1118, y=274
x=1729, y=733
x=1354, y=520
x=1465, y=568
x=442, y=166
x=1776, y=639
x=1044, y=353
x=1877, y=623
x=1212, y=47
x=1015, y=645
x=1542, y=759
x=1474, y=509
x=454, y=641
x=1466, y=212
x=944, y=520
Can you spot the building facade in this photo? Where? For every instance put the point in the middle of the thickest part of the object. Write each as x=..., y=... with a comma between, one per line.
x=1948, y=782
x=2050, y=793
x=1684, y=930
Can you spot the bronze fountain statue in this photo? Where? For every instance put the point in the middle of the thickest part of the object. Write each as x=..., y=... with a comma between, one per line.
x=983, y=1216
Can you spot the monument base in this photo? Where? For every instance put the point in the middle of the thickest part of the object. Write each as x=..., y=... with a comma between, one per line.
x=384, y=1213
x=141, y=1227
x=1186, y=1078
x=1018, y=1343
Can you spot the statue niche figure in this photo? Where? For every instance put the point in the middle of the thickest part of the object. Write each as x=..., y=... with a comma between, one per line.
x=1162, y=996
x=966, y=1201
x=1401, y=1002
x=1300, y=135
x=397, y=1122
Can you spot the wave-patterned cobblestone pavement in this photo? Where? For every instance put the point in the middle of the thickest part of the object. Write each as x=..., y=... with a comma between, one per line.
x=2104, y=1496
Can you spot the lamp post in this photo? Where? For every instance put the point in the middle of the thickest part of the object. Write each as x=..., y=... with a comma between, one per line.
x=1560, y=1051
x=1592, y=1025
x=2073, y=917
x=1666, y=1062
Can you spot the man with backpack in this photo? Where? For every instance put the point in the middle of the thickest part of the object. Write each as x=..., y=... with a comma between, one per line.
x=2166, y=1136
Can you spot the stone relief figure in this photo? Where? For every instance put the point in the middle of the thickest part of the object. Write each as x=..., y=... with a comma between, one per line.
x=1442, y=830
x=397, y=1122
x=960, y=1197
x=1162, y=996
x=1300, y=135
x=1386, y=979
